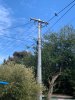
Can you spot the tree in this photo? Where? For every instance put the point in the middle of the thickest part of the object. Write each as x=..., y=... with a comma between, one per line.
x=51, y=82
x=22, y=84
x=22, y=57
x=58, y=51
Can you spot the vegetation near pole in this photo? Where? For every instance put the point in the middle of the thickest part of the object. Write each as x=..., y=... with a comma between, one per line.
x=22, y=84
x=58, y=61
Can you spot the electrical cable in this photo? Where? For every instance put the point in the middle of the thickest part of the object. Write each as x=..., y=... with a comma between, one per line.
x=62, y=16
x=56, y=14
x=66, y=6
x=22, y=39
x=10, y=46
x=15, y=26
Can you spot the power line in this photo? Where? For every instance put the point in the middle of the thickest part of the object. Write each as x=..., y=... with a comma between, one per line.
x=22, y=39
x=66, y=6
x=13, y=44
x=56, y=14
x=10, y=48
x=10, y=45
x=13, y=38
x=15, y=26
x=62, y=16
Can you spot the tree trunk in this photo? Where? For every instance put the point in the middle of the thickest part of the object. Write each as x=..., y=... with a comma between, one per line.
x=50, y=93
x=52, y=84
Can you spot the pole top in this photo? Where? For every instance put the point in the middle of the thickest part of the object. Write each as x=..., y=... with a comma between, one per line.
x=39, y=20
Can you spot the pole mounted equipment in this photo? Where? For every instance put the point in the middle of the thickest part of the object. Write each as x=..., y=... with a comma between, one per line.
x=38, y=20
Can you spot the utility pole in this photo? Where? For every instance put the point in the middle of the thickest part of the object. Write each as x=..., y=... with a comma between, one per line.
x=39, y=68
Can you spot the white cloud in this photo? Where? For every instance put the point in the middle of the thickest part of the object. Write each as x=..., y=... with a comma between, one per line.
x=2, y=59
x=5, y=19
x=5, y=22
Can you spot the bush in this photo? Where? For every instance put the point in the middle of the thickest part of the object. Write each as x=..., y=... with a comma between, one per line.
x=22, y=84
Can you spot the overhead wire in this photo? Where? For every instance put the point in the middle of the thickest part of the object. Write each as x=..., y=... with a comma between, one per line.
x=10, y=45
x=5, y=35
x=66, y=7
x=16, y=39
x=13, y=38
x=48, y=21
x=62, y=16
x=15, y=26
x=18, y=47
x=56, y=14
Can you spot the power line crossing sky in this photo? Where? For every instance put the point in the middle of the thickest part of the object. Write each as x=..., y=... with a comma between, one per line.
x=16, y=13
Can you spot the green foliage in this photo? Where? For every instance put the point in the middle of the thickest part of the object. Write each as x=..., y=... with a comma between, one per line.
x=58, y=52
x=24, y=58
x=22, y=84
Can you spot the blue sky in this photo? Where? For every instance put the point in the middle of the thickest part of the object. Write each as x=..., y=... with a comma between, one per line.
x=17, y=12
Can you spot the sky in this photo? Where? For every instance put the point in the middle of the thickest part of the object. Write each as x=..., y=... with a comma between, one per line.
x=16, y=30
